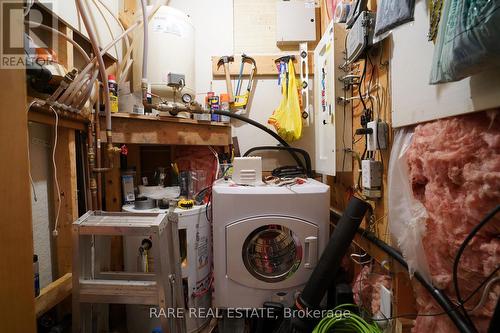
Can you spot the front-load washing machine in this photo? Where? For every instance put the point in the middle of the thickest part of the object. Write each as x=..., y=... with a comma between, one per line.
x=267, y=241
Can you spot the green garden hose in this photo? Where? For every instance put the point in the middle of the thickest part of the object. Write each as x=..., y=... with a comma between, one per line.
x=341, y=319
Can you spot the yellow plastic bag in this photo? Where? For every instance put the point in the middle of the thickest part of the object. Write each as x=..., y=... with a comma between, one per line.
x=287, y=119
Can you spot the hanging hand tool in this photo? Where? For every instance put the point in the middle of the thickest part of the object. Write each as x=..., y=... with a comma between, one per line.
x=225, y=60
x=284, y=61
x=241, y=101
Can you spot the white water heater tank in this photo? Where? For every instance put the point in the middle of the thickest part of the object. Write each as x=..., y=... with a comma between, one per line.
x=171, y=50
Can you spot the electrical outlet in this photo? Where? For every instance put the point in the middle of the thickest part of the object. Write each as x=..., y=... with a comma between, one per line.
x=377, y=139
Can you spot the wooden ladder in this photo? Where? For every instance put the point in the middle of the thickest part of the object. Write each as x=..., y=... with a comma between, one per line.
x=92, y=288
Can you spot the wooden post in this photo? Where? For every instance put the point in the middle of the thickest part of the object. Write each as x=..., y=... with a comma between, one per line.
x=66, y=175
x=65, y=48
x=113, y=200
x=17, y=305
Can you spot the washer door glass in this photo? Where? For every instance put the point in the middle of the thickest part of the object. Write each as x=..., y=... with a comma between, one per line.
x=272, y=253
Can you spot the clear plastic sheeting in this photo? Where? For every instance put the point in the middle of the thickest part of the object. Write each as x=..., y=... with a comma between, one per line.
x=468, y=40
x=393, y=13
x=407, y=215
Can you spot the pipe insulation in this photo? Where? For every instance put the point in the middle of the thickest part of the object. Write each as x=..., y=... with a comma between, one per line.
x=331, y=258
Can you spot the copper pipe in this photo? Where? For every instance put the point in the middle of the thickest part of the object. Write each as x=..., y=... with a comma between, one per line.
x=97, y=138
x=91, y=164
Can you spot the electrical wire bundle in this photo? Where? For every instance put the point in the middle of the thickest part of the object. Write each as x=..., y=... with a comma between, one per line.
x=343, y=320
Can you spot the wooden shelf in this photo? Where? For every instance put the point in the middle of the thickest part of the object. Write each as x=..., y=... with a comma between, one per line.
x=168, y=119
x=53, y=294
x=143, y=129
x=44, y=115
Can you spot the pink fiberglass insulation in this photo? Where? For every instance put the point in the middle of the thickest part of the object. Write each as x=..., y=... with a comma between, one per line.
x=454, y=169
x=366, y=289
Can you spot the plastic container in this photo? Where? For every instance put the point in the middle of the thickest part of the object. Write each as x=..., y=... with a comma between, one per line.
x=214, y=102
x=224, y=106
x=113, y=93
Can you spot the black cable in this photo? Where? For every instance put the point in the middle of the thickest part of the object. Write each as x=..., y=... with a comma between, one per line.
x=456, y=306
x=305, y=155
x=495, y=321
x=371, y=79
x=360, y=85
x=460, y=251
x=261, y=127
x=456, y=316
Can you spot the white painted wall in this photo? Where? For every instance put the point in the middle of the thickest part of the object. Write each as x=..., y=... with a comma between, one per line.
x=414, y=100
x=225, y=27
x=41, y=171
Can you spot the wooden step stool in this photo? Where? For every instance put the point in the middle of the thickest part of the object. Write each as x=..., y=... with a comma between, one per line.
x=91, y=287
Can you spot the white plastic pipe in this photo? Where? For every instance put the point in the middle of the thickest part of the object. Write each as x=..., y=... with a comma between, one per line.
x=146, y=40
x=68, y=99
x=80, y=102
x=99, y=9
x=106, y=49
x=100, y=60
x=75, y=44
x=125, y=60
x=111, y=44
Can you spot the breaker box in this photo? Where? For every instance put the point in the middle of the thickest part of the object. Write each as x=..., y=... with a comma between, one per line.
x=332, y=113
x=295, y=22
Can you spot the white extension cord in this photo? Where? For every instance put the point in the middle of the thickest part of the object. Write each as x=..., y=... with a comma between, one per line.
x=55, y=233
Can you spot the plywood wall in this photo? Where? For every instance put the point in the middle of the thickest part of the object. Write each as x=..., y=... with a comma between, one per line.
x=255, y=26
x=344, y=184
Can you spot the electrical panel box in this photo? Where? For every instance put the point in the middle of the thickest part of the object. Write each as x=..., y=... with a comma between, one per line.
x=377, y=140
x=332, y=116
x=371, y=174
x=371, y=178
x=295, y=22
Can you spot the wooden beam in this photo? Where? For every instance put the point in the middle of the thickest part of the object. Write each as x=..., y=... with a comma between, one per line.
x=65, y=48
x=66, y=175
x=53, y=294
x=113, y=198
x=265, y=65
x=17, y=295
x=167, y=131
x=48, y=119
x=127, y=16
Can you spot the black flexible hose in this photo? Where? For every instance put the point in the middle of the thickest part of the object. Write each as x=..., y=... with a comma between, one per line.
x=495, y=321
x=329, y=262
x=305, y=154
x=327, y=267
x=456, y=317
x=262, y=127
